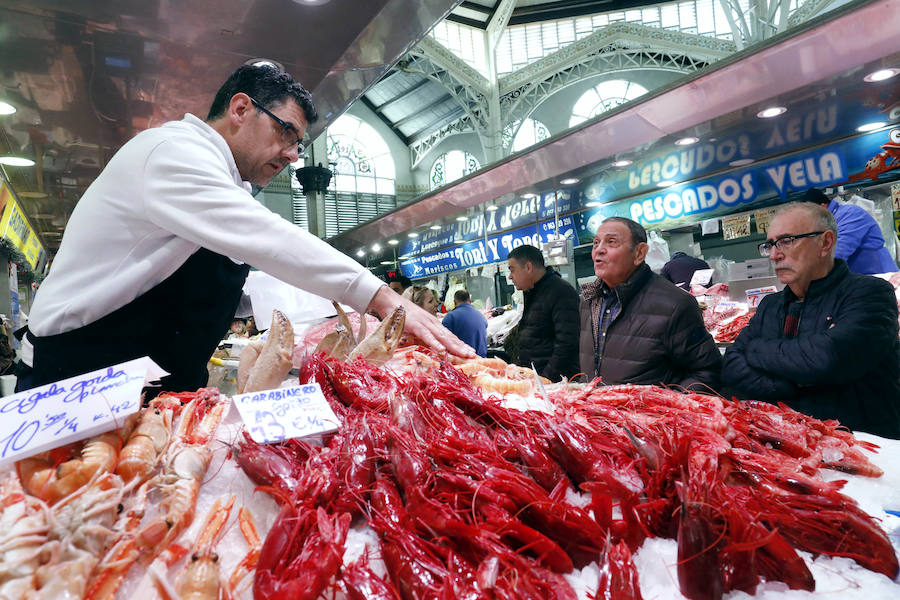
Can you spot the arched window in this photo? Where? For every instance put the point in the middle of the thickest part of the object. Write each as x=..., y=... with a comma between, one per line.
x=603, y=97
x=530, y=133
x=451, y=166
x=361, y=158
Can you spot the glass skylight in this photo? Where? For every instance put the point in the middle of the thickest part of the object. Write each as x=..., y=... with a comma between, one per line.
x=603, y=97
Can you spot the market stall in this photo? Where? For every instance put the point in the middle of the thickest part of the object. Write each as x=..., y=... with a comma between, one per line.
x=506, y=485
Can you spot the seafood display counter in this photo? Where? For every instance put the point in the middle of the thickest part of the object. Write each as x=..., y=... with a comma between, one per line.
x=466, y=480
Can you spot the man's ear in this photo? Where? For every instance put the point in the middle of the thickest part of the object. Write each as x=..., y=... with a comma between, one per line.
x=828, y=242
x=240, y=108
x=640, y=253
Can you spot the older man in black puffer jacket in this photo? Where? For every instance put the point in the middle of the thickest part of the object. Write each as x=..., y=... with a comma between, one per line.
x=826, y=345
x=636, y=327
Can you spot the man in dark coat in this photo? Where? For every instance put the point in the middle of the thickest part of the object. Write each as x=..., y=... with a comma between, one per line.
x=826, y=345
x=680, y=269
x=548, y=331
x=636, y=327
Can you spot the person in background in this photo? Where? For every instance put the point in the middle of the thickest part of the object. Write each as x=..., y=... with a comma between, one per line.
x=636, y=327
x=424, y=297
x=171, y=229
x=859, y=238
x=467, y=323
x=827, y=344
x=548, y=330
x=680, y=269
x=399, y=283
x=238, y=328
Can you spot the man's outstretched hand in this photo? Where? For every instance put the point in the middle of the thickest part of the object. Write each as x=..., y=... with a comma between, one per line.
x=425, y=326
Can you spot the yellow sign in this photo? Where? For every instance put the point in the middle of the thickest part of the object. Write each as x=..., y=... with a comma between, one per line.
x=736, y=227
x=14, y=227
x=762, y=219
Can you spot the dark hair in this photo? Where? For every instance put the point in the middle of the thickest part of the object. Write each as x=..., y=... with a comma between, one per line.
x=816, y=196
x=526, y=253
x=461, y=296
x=637, y=231
x=265, y=84
x=402, y=280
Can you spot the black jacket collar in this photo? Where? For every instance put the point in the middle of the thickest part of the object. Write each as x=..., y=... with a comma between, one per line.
x=820, y=287
x=541, y=282
x=625, y=290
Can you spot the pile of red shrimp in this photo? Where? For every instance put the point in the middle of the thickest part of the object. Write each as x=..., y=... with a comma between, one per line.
x=468, y=498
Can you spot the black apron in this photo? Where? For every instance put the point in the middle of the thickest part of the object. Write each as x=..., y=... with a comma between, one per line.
x=178, y=324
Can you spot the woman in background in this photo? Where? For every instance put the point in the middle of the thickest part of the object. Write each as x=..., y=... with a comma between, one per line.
x=424, y=297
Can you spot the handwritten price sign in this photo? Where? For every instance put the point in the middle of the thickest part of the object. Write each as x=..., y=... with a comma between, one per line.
x=756, y=294
x=293, y=412
x=70, y=410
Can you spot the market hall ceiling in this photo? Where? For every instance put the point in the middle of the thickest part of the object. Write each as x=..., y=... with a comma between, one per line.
x=411, y=100
x=87, y=76
x=811, y=63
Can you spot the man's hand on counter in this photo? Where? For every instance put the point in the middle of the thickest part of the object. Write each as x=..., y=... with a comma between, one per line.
x=426, y=327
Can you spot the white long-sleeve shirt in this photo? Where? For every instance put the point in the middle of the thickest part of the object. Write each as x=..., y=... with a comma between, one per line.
x=166, y=193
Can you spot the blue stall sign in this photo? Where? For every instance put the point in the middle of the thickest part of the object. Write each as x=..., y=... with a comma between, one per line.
x=865, y=157
x=785, y=133
x=477, y=253
x=515, y=214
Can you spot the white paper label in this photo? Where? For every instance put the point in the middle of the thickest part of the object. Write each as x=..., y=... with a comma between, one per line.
x=709, y=226
x=73, y=409
x=726, y=305
x=756, y=294
x=702, y=277
x=292, y=412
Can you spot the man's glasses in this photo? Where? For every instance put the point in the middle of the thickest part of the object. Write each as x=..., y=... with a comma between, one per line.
x=784, y=243
x=289, y=135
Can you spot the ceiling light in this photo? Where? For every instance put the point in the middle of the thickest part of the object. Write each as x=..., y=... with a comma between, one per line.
x=772, y=111
x=881, y=75
x=863, y=128
x=666, y=183
x=360, y=253
x=529, y=195
x=6, y=109
x=570, y=181
x=492, y=208
x=462, y=218
x=16, y=161
x=687, y=141
x=435, y=227
x=413, y=234
x=393, y=242
x=621, y=163
x=387, y=262
x=376, y=247
x=740, y=162
x=591, y=204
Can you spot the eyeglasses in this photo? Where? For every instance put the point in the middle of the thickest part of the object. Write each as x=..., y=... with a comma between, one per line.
x=289, y=135
x=784, y=243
